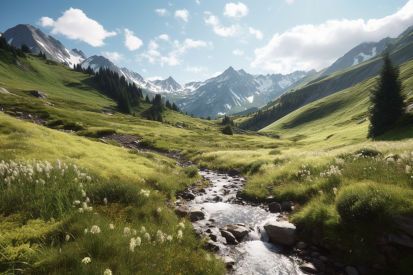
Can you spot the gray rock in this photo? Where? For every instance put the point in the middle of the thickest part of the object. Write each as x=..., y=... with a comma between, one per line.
x=363, y=270
x=308, y=267
x=351, y=270
x=202, y=190
x=391, y=254
x=303, y=253
x=182, y=211
x=281, y=232
x=210, y=245
x=301, y=245
x=323, y=258
x=218, y=198
x=213, y=237
x=196, y=214
x=404, y=224
x=188, y=196
x=402, y=239
x=315, y=254
x=286, y=206
x=38, y=94
x=237, y=230
x=233, y=172
x=229, y=237
x=274, y=207
x=228, y=261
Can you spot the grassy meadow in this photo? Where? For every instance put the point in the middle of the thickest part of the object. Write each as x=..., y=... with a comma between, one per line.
x=67, y=198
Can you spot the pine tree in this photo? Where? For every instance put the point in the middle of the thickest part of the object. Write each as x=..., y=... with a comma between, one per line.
x=386, y=98
x=147, y=100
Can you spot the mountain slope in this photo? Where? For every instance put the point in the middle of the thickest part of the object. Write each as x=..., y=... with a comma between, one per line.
x=235, y=91
x=38, y=42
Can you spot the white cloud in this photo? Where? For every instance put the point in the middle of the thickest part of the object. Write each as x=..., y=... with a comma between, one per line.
x=198, y=2
x=234, y=30
x=258, y=34
x=164, y=37
x=289, y=2
x=237, y=52
x=235, y=10
x=183, y=14
x=144, y=70
x=74, y=24
x=113, y=56
x=162, y=12
x=318, y=46
x=153, y=78
x=132, y=42
x=173, y=57
x=196, y=69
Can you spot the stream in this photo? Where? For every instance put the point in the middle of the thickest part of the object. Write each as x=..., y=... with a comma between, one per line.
x=254, y=254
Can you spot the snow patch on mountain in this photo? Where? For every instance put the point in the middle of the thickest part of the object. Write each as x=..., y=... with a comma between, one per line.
x=364, y=57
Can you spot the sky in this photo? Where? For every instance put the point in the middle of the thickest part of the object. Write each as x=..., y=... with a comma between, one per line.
x=193, y=40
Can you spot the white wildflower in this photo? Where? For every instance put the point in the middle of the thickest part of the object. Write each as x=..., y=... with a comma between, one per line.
x=159, y=210
x=169, y=238
x=335, y=191
x=86, y=231
x=160, y=236
x=132, y=245
x=95, y=229
x=179, y=235
x=107, y=272
x=145, y=192
x=105, y=201
x=76, y=202
x=81, y=210
x=86, y=260
x=138, y=241
x=111, y=226
x=207, y=257
x=143, y=229
x=134, y=232
x=147, y=236
x=83, y=193
x=181, y=225
x=88, y=178
x=126, y=231
x=67, y=237
x=408, y=169
x=89, y=209
x=321, y=192
x=87, y=200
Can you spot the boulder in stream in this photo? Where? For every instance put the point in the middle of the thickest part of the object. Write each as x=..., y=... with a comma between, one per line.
x=233, y=172
x=286, y=206
x=188, y=196
x=282, y=232
x=237, y=230
x=229, y=237
x=309, y=268
x=228, y=261
x=274, y=207
x=182, y=211
x=196, y=214
x=404, y=224
x=210, y=245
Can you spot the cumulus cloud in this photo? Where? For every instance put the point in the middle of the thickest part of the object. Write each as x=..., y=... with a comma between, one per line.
x=132, y=42
x=289, y=2
x=113, y=56
x=258, y=34
x=162, y=12
x=318, y=46
x=235, y=10
x=74, y=24
x=237, y=52
x=196, y=69
x=144, y=70
x=164, y=37
x=234, y=30
x=153, y=78
x=173, y=57
x=198, y=2
x=182, y=14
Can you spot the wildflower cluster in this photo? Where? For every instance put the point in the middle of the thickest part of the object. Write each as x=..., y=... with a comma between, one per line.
x=333, y=171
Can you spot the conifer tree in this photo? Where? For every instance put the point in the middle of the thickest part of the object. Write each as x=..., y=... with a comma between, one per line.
x=147, y=100
x=386, y=98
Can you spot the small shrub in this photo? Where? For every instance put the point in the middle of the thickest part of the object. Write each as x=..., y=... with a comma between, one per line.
x=365, y=202
x=278, y=161
x=65, y=124
x=256, y=165
x=274, y=152
x=228, y=130
x=146, y=142
x=367, y=152
x=191, y=171
x=97, y=133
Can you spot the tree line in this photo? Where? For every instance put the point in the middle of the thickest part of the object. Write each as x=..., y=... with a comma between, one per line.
x=21, y=52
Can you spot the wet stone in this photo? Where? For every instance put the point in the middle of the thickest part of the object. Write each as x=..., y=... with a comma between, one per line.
x=308, y=267
x=229, y=237
x=274, y=207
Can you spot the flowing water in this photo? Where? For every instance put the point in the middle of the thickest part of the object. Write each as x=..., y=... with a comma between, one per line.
x=254, y=254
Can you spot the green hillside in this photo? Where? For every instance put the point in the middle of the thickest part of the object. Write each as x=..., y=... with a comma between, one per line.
x=322, y=163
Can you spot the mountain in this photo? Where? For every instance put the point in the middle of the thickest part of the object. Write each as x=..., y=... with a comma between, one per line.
x=328, y=84
x=359, y=54
x=38, y=41
x=235, y=91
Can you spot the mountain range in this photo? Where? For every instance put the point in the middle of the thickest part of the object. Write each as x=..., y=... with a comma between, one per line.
x=230, y=92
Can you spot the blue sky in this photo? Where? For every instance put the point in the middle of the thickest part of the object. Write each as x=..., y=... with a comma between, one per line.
x=193, y=40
